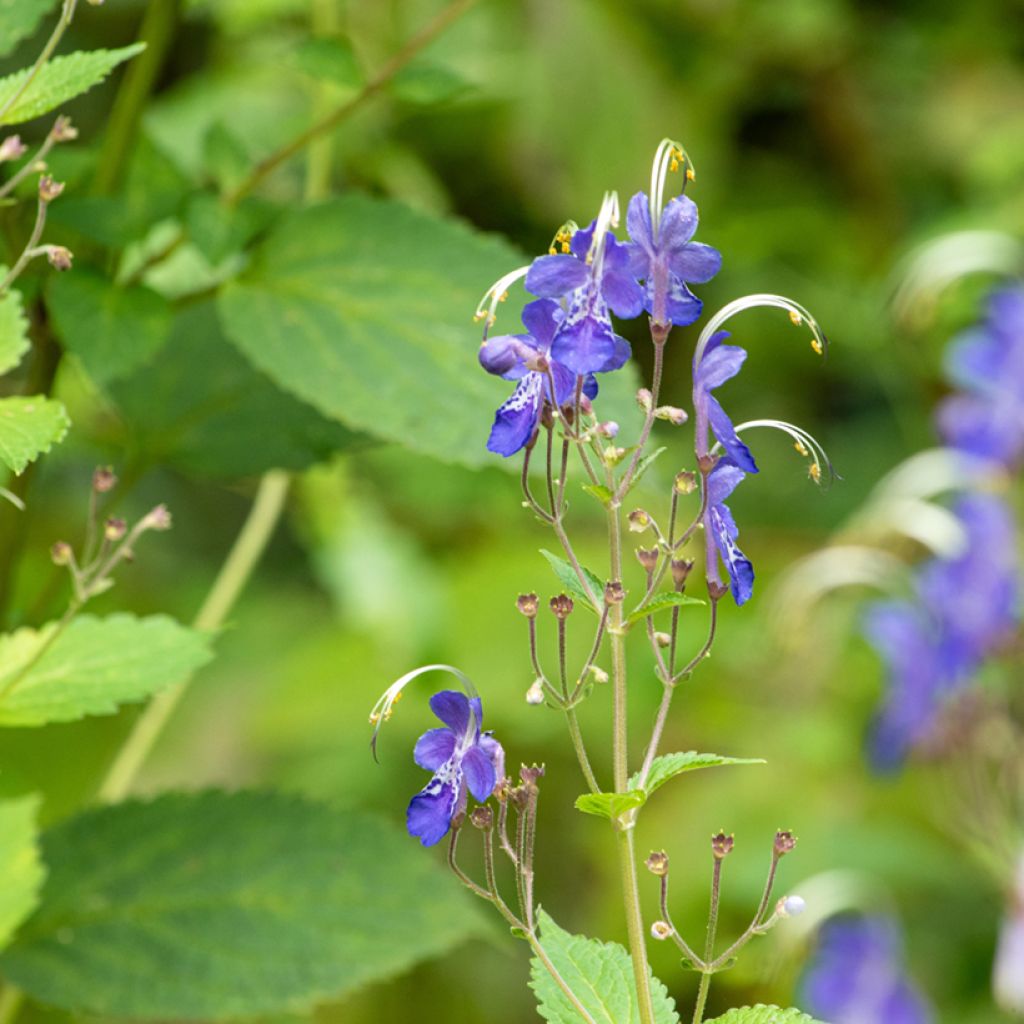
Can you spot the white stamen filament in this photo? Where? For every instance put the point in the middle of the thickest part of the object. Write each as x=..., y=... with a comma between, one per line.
x=667, y=153
x=486, y=309
x=808, y=445
x=929, y=473
x=607, y=220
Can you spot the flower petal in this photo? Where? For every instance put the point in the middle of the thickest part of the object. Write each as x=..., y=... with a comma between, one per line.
x=719, y=364
x=551, y=277
x=479, y=772
x=516, y=419
x=695, y=262
x=505, y=354
x=678, y=224
x=623, y=295
x=541, y=318
x=431, y=811
x=682, y=307
x=638, y=224
x=723, y=480
x=739, y=567
x=726, y=433
x=433, y=748
x=585, y=342
x=452, y=707
x=495, y=751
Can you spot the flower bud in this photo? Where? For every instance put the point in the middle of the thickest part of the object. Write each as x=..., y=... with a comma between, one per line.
x=12, y=148
x=103, y=479
x=721, y=845
x=639, y=520
x=662, y=639
x=716, y=591
x=657, y=863
x=676, y=416
x=531, y=775
x=63, y=130
x=527, y=605
x=785, y=842
x=158, y=519
x=49, y=189
x=599, y=674
x=648, y=558
x=114, y=529
x=60, y=553
x=686, y=482
x=586, y=406
x=614, y=593
x=59, y=257
x=681, y=568
x=645, y=399
x=791, y=906
x=482, y=818
x=535, y=694
x=706, y=463
x=660, y=930
x=612, y=456
x=608, y=429
x=562, y=606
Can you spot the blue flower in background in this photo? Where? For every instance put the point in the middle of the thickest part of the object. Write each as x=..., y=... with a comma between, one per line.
x=857, y=976
x=720, y=531
x=986, y=419
x=527, y=358
x=461, y=758
x=667, y=260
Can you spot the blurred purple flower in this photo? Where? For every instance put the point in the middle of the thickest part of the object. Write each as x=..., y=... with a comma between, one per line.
x=720, y=532
x=857, y=976
x=1008, y=970
x=461, y=758
x=666, y=260
x=986, y=419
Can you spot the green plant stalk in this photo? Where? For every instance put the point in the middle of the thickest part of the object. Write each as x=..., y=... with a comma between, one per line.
x=709, y=946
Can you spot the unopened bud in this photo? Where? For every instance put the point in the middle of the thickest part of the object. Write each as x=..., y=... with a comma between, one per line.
x=61, y=553
x=721, y=845
x=562, y=606
x=660, y=930
x=459, y=819
x=791, y=906
x=59, y=257
x=12, y=148
x=599, y=674
x=614, y=593
x=103, y=479
x=608, y=429
x=639, y=520
x=662, y=639
x=49, y=189
x=63, y=130
x=613, y=456
x=535, y=694
x=681, y=568
x=481, y=817
x=114, y=529
x=686, y=482
x=527, y=605
x=547, y=417
x=716, y=591
x=645, y=399
x=158, y=519
x=676, y=416
x=531, y=775
x=648, y=558
x=657, y=863
x=785, y=842
x=586, y=405
x=706, y=463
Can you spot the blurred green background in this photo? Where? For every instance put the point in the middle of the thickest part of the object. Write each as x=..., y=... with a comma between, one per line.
x=829, y=138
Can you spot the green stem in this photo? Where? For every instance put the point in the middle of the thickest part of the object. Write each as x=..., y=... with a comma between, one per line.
x=581, y=750
x=709, y=946
x=232, y=578
x=635, y=924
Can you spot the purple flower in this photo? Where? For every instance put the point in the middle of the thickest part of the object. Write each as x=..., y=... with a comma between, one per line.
x=461, y=758
x=666, y=260
x=857, y=976
x=527, y=358
x=593, y=278
x=1008, y=969
x=719, y=363
x=720, y=532
x=986, y=419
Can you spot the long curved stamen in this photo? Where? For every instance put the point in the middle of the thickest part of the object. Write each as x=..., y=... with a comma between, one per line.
x=930, y=525
x=821, y=470
x=668, y=157
x=929, y=473
x=486, y=309
x=797, y=314
x=607, y=220
x=384, y=707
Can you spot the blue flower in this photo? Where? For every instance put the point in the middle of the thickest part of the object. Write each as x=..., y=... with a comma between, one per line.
x=461, y=758
x=528, y=359
x=986, y=420
x=594, y=276
x=857, y=976
x=720, y=531
x=718, y=363
x=666, y=260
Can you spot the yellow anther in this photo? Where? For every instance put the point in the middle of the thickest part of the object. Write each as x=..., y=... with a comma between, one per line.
x=398, y=697
x=690, y=174
x=565, y=247
x=551, y=250
x=477, y=317
x=795, y=318
x=374, y=718
x=816, y=345
x=501, y=298
x=674, y=165
x=799, y=446
x=814, y=472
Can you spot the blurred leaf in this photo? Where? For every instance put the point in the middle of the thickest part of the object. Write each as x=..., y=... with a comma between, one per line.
x=611, y=805
x=331, y=60
x=227, y=420
x=19, y=19
x=645, y=464
x=218, y=230
x=363, y=308
x=14, y=341
x=20, y=867
x=225, y=159
x=210, y=905
x=60, y=80
x=567, y=575
x=600, y=974
x=659, y=603
x=427, y=84
x=599, y=491
x=28, y=428
x=93, y=666
x=762, y=1014
x=112, y=329
x=668, y=766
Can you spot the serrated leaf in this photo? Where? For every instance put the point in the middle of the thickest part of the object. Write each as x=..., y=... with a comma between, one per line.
x=19, y=19
x=212, y=905
x=762, y=1014
x=60, y=80
x=611, y=805
x=600, y=975
x=112, y=329
x=599, y=491
x=330, y=60
x=93, y=666
x=28, y=428
x=20, y=868
x=567, y=575
x=14, y=341
x=668, y=766
x=645, y=464
x=659, y=603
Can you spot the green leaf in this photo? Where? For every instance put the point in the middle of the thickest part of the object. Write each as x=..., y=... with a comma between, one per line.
x=20, y=868
x=19, y=19
x=210, y=905
x=645, y=464
x=668, y=766
x=330, y=60
x=29, y=427
x=599, y=491
x=225, y=159
x=113, y=330
x=567, y=575
x=93, y=666
x=60, y=80
x=215, y=423
x=611, y=805
x=427, y=84
x=363, y=308
x=14, y=341
x=659, y=603
x=600, y=975
x=762, y=1014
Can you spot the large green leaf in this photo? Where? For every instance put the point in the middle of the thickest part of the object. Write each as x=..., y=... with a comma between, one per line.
x=600, y=974
x=668, y=766
x=227, y=420
x=659, y=603
x=93, y=666
x=611, y=805
x=21, y=872
x=762, y=1014
x=113, y=330
x=14, y=341
x=19, y=19
x=60, y=80
x=363, y=308
x=210, y=905
x=568, y=578
x=29, y=427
